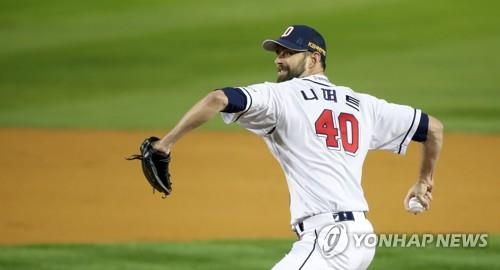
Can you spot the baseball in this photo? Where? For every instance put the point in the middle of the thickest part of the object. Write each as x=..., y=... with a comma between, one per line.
x=415, y=206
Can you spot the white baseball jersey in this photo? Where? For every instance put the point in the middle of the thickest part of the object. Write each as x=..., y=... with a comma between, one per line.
x=320, y=133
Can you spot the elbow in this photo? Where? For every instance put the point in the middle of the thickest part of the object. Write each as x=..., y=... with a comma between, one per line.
x=217, y=100
x=436, y=127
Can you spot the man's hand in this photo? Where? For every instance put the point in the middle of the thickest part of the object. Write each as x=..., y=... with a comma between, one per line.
x=155, y=166
x=422, y=191
x=161, y=146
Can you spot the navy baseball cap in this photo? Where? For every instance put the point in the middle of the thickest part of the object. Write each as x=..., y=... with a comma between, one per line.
x=300, y=38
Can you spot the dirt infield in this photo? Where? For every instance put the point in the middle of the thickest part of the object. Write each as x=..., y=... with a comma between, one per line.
x=75, y=186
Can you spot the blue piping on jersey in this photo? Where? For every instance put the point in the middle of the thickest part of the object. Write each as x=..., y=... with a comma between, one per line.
x=412, y=122
x=317, y=83
x=249, y=106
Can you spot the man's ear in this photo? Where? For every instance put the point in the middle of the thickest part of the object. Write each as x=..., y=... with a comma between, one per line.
x=310, y=60
x=314, y=58
x=317, y=57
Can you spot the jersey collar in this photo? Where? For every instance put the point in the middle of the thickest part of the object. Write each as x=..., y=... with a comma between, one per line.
x=319, y=78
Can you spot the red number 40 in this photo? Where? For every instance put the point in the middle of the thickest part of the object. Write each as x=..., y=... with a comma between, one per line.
x=349, y=134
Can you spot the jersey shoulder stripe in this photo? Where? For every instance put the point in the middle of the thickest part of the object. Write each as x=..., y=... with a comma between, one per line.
x=408, y=132
x=231, y=117
x=249, y=104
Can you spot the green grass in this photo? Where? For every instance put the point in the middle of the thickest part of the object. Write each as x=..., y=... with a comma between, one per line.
x=140, y=64
x=244, y=255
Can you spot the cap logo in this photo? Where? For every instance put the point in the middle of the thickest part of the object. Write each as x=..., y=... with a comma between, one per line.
x=287, y=32
x=316, y=48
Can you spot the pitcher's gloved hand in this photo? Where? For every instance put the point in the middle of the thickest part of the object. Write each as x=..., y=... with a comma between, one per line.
x=155, y=166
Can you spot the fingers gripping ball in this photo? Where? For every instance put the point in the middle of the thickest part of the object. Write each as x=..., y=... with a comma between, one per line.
x=415, y=206
x=155, y=166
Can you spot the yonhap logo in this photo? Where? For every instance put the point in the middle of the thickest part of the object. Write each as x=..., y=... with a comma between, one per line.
x=333, y=240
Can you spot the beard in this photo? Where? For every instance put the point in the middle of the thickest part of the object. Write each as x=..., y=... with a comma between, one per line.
x=287, y=73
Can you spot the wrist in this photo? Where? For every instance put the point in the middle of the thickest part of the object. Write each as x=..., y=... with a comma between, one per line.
x=425, y=183
x=425, y=180
x=164, y=145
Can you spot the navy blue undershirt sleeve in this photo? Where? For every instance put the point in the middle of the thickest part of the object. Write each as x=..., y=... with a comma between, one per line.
x=237, y=100
x=421, y=133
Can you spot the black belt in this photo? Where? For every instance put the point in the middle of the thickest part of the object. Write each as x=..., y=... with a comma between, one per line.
x=337, y=217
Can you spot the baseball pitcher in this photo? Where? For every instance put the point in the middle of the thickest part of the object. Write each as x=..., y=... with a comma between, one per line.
x=320, y=133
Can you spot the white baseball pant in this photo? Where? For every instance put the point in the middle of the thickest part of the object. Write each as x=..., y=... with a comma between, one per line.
x=328, y=244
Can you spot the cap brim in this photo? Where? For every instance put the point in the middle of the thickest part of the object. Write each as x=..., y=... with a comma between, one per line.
x=271, y=45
